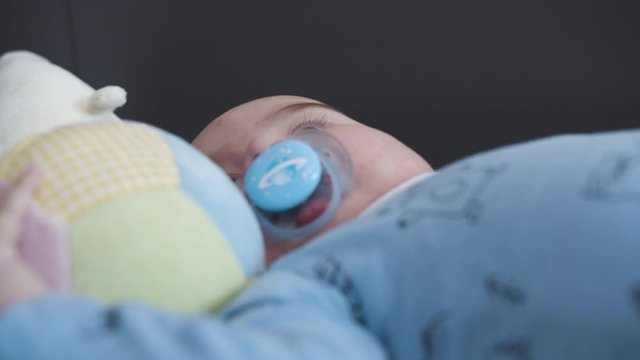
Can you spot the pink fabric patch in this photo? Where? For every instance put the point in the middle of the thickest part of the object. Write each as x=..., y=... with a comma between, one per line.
x=44, y=245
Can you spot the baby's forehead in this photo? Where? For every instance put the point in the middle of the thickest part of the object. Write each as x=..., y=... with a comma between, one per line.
x=238, y=123
x=232, y=130
x=227, y=131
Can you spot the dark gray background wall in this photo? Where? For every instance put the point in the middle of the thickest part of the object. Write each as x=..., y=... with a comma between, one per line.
x=448, y=77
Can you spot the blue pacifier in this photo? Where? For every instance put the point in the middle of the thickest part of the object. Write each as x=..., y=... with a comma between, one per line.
x=296, y=185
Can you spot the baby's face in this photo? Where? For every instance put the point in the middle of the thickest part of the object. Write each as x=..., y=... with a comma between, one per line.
x=380, y=162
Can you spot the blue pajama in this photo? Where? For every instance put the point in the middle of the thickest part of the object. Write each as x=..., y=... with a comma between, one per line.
x=526, y=252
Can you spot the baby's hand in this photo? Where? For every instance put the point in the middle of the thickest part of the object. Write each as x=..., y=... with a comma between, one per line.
x=18, y=282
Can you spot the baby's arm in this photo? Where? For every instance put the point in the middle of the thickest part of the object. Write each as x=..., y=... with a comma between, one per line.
x=283, y=316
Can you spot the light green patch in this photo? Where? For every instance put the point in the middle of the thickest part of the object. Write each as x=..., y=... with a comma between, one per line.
x=158, y=247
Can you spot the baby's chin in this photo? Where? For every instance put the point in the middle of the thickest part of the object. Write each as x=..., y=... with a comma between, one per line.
x=273, y=251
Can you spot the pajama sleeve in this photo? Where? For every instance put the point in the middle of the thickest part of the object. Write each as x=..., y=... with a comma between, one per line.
x=283, y=316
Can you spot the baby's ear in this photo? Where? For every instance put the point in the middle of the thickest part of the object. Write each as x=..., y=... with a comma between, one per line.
x=37, y=96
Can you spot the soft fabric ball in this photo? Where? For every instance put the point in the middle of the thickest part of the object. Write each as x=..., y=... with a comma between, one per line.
x=145, y=215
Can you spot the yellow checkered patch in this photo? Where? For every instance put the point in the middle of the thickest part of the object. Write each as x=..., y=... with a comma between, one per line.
x=92, y=163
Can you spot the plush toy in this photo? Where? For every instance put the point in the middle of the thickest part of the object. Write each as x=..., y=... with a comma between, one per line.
x=140, y=215
x=37, y=96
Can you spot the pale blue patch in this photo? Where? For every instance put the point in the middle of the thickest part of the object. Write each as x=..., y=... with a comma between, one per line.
x=210, y=187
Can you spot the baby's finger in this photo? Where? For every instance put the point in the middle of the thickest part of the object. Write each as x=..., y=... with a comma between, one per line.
x=16, y=204
x=22, y=190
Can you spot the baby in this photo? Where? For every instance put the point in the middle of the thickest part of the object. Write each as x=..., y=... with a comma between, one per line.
x=524, y=252
x=381, y=162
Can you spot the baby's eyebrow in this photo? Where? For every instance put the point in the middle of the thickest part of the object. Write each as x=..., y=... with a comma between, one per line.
x=301, y=106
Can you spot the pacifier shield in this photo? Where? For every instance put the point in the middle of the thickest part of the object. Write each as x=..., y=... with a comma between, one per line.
x=283, y=176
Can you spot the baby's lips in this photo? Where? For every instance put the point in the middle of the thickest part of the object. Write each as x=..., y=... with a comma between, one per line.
x=311, y=210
